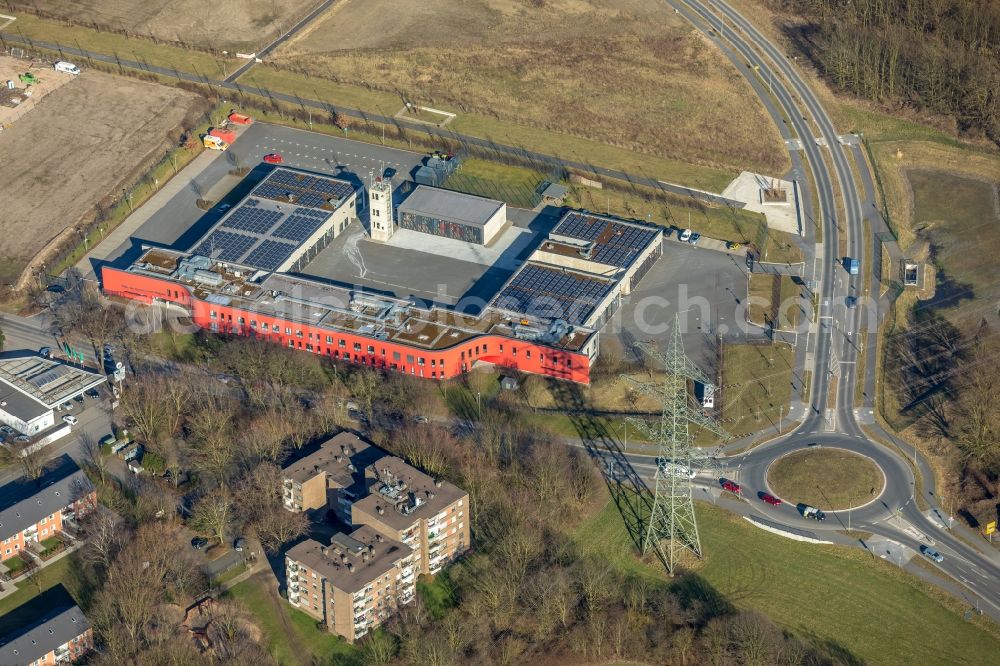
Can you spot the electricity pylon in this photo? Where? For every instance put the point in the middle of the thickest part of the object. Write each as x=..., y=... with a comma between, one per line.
x=672, y=525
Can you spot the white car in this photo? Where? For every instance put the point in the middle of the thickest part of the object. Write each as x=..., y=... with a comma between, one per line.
x=685, y=235
x=70, y=419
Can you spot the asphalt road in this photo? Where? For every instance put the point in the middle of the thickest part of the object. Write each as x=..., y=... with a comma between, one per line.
x=896, y=514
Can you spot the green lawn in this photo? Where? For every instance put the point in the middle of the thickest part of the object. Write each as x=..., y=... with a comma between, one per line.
x=60, y=571
x=109, y=43
x=14, y=565
x=294, y=638
x=831, y=479
x=825, y=594
x=436, y=594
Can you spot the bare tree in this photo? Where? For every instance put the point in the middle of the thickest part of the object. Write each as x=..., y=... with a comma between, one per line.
x=213, y=514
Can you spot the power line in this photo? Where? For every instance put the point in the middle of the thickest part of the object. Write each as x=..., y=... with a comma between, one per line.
x=672, y=526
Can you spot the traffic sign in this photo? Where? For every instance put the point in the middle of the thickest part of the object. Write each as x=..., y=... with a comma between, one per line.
x=991, y=527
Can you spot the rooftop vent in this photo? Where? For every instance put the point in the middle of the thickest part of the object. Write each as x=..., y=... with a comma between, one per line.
x=379, y=510
x=438, y=483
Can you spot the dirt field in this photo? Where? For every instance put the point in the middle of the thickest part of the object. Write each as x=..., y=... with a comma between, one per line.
x=75, y=148
x=220, y=25
x=625, y=72
x=48, y=80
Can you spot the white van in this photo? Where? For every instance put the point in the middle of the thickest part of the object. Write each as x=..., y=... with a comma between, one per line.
x=68, y=67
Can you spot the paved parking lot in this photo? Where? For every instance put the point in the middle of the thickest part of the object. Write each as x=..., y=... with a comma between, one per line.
x=706, y=288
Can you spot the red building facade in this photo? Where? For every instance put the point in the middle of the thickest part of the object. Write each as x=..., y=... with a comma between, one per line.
x=352, y=346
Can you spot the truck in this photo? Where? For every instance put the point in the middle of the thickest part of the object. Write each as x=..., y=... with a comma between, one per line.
x=853, y=266
x=813, y=512
x=240, y=118
x=223, y=133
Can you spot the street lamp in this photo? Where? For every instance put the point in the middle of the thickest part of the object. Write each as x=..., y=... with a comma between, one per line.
x=625, y=442
x=479, y=405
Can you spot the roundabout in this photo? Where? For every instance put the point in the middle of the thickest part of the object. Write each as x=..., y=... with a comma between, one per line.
x=832, y=479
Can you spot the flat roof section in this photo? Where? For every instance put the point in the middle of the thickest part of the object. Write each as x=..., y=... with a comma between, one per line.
x=281, y=213
x=616, y=242
x=46, y=381
x=546, y=292
x=450, y=206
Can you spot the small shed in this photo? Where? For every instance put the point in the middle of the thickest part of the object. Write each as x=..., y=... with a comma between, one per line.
x=508, y=383
x=553, y=193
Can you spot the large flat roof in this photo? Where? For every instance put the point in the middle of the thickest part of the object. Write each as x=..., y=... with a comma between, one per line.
x=450, y=206
x=351, y=561
x=404, y=493
x=280, y=214
x=43, y=381
x=549, y=293
x=615, y=242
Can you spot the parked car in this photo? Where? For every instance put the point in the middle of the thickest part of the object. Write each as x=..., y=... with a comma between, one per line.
x=46, y=352
x=239, y=545
x=932, y=554
x=68, y=406
x=70, y=419
x=7, y=430
x=199, y=542
x=733, y=245
x=731, y=486
x=685, y=235
x=851, y=301
x=92, y=393
x=22, y=439
x=812, y=512
x=694, y=239
x=68, y=67
x=78, y=398
x=273, y=158
x=770, y=499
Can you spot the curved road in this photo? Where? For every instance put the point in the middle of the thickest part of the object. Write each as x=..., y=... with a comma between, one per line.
x=895, y=515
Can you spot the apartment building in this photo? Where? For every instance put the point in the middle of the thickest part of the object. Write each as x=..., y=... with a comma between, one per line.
x=429, y=515
x=60, y=636
x=331, y=477
x=354, y=584
x=34, y=510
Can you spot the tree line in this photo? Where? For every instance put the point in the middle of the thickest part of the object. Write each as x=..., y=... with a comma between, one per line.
x=941, y=56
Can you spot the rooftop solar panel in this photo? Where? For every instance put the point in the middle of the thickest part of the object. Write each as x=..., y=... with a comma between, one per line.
x=225, y=246
x=552, y=294
x=616, y=243
x=269, y=255
x=297, y=228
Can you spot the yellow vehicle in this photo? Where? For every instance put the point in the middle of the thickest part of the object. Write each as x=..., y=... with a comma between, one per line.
x=214, y=142
x=733, y=245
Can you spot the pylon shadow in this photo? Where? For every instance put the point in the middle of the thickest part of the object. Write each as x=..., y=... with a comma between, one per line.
x=629, y=492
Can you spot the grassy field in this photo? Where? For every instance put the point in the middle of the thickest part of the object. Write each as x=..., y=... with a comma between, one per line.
x=831, y=479
x=128, y=124
x=756, y=386
x=223, y=25
x=827, y=595
x=622, y=72
x=542, y=140
x=292, y=636
x=109, y=43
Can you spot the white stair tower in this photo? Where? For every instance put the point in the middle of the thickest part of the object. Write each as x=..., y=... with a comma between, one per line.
x=380, y=208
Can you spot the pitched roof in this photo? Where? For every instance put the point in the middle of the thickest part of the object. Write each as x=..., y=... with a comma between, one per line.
x=24, y=502
x=36, y=640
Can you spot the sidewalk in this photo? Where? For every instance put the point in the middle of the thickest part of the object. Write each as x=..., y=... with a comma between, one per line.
x=121, y=234
x=11, y=586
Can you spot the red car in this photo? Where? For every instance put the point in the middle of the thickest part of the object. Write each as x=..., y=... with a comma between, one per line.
x=771, y=499
x=273, y=158
x=732, y=487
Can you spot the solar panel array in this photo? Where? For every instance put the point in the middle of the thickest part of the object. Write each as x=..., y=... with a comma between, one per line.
x=269, y=255
x=254, y=220
x=307, y=190
x=225, y=246
x=552, y=294
x=297, y=227
x=262, y=233
x=617, y=248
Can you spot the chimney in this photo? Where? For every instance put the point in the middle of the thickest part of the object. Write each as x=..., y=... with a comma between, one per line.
x=438, y=483
x=371, y=549
x=378, y=537
x=364, y=556
x=379, y=510
x=350, y=566
x=430, y=495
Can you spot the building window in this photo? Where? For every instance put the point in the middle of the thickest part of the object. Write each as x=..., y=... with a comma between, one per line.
x=253, y=323
x=291, y=343
x=527, y=354
x=420, y=361
x=288, y=331
x=329, y=339
x=264, y=326
x=409, y=360
x=501, y=349
x=212, y=314
x=371, y=349
x=298, y=334
x=357, y=346
x=241, y=320
x=342, y=343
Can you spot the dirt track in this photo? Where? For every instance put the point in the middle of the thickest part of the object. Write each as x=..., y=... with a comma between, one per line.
x=80, y=144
